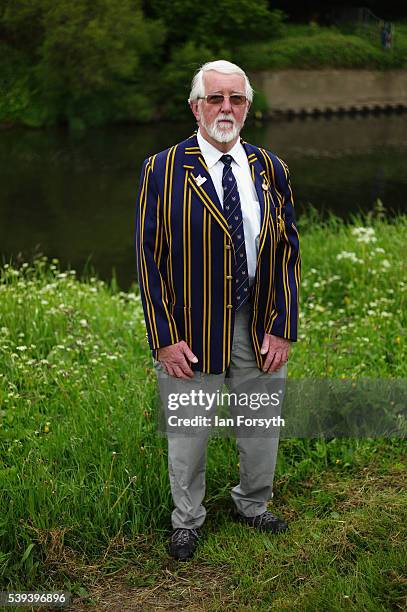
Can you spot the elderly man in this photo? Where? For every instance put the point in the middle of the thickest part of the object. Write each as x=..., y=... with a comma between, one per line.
x=219, y=271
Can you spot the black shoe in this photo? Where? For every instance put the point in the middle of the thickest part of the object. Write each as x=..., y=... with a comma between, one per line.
x=183, y=543
x=265, y=522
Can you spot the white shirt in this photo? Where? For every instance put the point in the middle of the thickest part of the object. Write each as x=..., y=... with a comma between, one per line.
x=247, y=192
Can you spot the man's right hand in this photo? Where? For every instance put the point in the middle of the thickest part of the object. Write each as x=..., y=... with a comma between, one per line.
x=175, y=359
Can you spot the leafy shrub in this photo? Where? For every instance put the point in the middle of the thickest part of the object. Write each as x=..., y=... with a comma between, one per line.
x=320, y=49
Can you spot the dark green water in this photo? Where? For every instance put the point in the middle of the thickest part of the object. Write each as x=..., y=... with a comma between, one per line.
x=72, y=196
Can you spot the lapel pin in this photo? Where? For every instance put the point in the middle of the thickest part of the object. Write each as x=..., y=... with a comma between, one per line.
x=200, y=180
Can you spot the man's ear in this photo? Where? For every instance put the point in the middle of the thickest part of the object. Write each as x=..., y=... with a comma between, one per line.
x=193, y=105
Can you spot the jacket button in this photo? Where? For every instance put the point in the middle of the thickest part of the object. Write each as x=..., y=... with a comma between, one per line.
x=229, y=277
x=229, y=306
x=228, y=247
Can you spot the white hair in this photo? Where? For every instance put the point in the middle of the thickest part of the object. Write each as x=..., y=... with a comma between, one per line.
x=222, y=66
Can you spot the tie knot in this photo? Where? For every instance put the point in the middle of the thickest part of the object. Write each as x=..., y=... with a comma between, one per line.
x=227, y=159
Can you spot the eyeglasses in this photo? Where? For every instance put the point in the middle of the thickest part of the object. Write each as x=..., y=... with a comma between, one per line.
x=218, y=99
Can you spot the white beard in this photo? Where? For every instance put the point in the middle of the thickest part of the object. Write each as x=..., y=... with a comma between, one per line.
x=218, y=133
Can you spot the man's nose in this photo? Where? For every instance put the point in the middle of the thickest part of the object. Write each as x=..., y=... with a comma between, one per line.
x=226, y=105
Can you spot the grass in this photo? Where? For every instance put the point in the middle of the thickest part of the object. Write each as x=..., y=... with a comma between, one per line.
x=85, y=493
x=313, y=46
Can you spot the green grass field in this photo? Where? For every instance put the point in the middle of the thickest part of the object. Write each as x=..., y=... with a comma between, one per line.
x=84, y=488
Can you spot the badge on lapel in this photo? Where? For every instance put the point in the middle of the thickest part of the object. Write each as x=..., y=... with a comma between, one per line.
x=200, y=180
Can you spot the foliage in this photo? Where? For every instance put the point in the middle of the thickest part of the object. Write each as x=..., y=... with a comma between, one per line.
x=103, y=61
x=89, y=57
x=177, y=75
x=259, y=105
x=321, y=48
x=218, y=24
x=19, y=99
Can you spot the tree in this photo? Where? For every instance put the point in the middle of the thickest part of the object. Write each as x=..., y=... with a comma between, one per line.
x=89, y=58
x=217, y=24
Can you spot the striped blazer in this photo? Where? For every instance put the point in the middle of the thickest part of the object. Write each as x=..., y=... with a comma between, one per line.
x=185, y=256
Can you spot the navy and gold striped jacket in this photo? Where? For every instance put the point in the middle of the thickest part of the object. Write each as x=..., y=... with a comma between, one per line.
x=185, y=256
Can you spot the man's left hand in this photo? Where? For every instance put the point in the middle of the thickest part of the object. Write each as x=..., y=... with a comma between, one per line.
x=277, y=350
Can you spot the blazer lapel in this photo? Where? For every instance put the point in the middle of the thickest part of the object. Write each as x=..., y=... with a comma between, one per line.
x=262, y=188
x=194, y=164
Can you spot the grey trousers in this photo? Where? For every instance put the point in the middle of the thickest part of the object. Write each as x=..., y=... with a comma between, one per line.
x=187, y=453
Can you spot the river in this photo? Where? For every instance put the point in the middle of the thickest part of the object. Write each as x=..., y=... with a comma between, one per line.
x=72, y=195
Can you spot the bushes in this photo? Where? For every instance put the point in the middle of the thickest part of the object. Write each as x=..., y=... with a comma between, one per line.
x=321, y=49
x=84, y=64
x=104, y=61
x=217, y=24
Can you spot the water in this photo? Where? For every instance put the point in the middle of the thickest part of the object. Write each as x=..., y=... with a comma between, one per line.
x=73, y=196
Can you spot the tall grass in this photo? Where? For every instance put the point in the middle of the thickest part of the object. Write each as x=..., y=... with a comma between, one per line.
x=81, y=464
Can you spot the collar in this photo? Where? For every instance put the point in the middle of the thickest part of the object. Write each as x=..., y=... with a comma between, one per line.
x=212, y=155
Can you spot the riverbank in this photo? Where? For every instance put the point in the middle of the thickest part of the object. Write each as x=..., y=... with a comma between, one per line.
x=84, y=476
x=333, y=91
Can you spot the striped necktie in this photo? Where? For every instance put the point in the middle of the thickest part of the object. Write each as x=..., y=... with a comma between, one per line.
x=232, y=212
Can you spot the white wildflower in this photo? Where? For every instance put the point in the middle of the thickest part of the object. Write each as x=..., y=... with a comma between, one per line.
x=348, y=255
x=364, y=234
